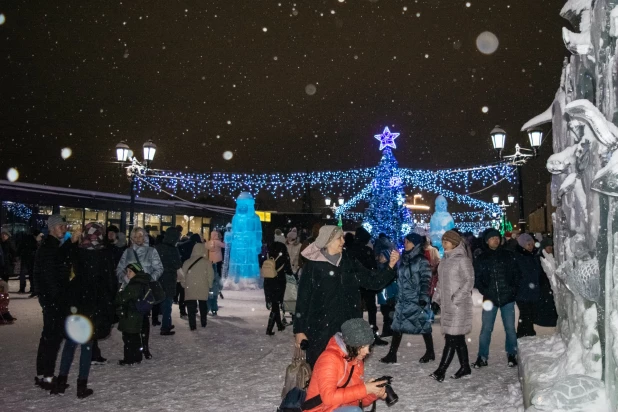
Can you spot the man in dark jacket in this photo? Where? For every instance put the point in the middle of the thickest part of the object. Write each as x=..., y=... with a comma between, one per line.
x=529, y=292
x=26, y=251
x=170, y=257
x=360, y=251
x=497, y=277
x=52, y=269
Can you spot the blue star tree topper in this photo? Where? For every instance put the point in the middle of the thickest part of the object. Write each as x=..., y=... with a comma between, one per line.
x=387, y=139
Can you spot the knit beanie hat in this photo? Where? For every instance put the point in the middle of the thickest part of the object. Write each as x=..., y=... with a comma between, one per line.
x=357, y=332
x=135, y=267
x=279, y=236
x=327, y=234
x=489, y=233
x=55, y=220
x=292, y=235
x=415, y=238
x=524, y=239
x=452, y=237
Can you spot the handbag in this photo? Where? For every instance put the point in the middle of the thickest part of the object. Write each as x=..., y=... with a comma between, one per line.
x=297, y=374
x=158, y=293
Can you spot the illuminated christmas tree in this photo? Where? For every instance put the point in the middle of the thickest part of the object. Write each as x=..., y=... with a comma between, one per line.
x=387, y=212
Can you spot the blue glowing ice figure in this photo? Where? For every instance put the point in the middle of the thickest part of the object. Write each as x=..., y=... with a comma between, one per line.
x=246, y=240
x=441, y=221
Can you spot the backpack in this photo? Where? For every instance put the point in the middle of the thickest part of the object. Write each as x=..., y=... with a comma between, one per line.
x=269, y=268
x=145, y=301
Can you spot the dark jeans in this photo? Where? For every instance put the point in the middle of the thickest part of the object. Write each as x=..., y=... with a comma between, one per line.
x=156, y=311
x=26, y=272
x=145, y=335
x=96, y=351
x=132, y=347
x=166, y=311
x=84, y=358
x=527, y=313
x=369, y=297
x=192, y=308
x=49, y=344
x=386, y=311
x=180, y=297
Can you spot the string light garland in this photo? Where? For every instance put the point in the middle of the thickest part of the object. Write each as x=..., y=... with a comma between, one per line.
x=362, y=182
x=18, y=210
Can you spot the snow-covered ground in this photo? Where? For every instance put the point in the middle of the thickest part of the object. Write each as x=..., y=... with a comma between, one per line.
x=233, y=366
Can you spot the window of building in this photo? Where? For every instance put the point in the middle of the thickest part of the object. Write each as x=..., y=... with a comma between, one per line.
x=93, y=215
x=73, y=216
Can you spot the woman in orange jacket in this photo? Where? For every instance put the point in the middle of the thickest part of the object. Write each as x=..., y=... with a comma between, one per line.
x=337, y=381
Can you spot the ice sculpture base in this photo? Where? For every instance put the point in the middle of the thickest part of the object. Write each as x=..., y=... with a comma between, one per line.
x=550, y=381
x=243, y=284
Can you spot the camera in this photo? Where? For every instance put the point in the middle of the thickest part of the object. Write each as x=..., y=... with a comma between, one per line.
x=304, y=344
x=391, y=396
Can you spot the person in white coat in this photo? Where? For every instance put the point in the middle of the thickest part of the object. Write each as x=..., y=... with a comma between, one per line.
x=293, y=246
x=197, y=277
x=454, y=295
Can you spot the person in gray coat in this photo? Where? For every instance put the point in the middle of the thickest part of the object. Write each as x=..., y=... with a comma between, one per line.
x=413, y=307
x=148, y=258
x=454, y=295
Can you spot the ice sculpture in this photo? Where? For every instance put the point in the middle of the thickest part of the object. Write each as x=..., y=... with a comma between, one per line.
x=246, y=243
x=575, y=392
x=440, y=222
x=227, y=239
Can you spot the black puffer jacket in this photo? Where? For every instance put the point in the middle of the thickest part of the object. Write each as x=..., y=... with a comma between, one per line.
x=530, y=268
x=497, y=276
x=52, y=271
x=274, y=288
x=360, y=251
x=170, y=258
x=328, y=295
x=93, y=289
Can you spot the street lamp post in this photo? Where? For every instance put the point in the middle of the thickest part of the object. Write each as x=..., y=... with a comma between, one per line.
x=518, y=159
x=123, y=154
x=496, y=199
x=332, y=206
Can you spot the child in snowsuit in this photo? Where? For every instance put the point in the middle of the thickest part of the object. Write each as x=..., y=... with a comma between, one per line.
x=5, y=315
x=131, y=320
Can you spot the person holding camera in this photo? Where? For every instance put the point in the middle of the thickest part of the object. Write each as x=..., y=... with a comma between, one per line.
x=329, y=290
x=337, y=381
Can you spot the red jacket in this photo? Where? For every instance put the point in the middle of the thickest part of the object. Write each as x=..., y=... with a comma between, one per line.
x=330, y=372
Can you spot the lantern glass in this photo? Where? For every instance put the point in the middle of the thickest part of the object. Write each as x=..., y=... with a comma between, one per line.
x=536, y=137
x=122, y=152
x=511, y=198
x=149, y=150
x=495, y=199
x=498, y=138
x=327, y=201
x=341, y=201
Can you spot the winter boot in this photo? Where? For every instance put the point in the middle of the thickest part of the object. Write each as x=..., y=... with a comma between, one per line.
x=391, y=357
x=480, y=362
x=447, y=356
x=464, y=362
x=429, y=353
x=47, y=383
x=83, y=391
x=378, y=340
x=98, y=361
x=168, y=332
x=512, y=360
x=271, y=324
x=60, y=385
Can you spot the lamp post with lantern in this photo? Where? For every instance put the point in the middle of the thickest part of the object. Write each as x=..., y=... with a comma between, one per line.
x=518, y=159
x=124, y=154
x=332, y=206
x=496, y=199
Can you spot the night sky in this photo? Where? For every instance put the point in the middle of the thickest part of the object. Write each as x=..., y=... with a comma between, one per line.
x=203, y=77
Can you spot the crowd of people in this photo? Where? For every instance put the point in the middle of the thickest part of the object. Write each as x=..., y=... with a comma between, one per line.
x=95, y=275
x=335, y=283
